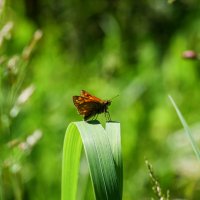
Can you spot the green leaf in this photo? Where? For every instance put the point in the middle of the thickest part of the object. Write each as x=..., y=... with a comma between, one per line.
x=103, y=152
x=187, y=129
x=113, y=130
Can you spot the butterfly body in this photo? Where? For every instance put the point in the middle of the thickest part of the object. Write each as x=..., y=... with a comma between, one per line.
x=90, y=106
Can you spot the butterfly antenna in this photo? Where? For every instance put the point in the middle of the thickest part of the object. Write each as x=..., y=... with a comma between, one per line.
x=114, y=97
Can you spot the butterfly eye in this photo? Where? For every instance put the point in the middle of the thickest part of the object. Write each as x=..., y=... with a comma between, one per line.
x=108, y=103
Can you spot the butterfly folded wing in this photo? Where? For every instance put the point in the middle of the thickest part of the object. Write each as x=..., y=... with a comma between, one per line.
x=90, y=97
x=86, y=106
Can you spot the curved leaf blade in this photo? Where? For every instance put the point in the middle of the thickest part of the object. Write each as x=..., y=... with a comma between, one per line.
x=101, y=160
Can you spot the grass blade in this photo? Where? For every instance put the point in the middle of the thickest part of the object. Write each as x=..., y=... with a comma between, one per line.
x=99, y=153
x=187, y=129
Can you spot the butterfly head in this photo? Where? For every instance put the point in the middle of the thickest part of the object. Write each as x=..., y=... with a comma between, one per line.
x=108, y=102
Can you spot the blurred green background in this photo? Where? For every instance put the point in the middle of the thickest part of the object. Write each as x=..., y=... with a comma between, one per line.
x=130, y=48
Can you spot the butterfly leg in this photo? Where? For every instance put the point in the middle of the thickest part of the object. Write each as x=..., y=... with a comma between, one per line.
x=107, y=115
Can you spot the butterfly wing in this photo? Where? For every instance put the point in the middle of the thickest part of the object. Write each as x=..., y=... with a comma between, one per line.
x=90, y=97
x=85, y=106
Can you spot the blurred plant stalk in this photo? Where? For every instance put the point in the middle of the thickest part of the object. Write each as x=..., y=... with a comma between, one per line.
x=2, y=3
x=13, y=95
x=5, y=32
x=156, y=185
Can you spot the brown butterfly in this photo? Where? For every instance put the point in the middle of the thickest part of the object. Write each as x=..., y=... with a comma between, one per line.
x=90, y=106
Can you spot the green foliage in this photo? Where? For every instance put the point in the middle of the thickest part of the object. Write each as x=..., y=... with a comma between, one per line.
x=130, y=48
x=14, y=149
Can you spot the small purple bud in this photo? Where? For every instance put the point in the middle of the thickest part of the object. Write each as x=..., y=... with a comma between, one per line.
x=190, y=54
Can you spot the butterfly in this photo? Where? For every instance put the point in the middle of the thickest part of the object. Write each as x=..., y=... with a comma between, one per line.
x=90, y=106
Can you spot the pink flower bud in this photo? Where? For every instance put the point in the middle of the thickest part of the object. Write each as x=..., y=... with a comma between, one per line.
x=190, y=54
